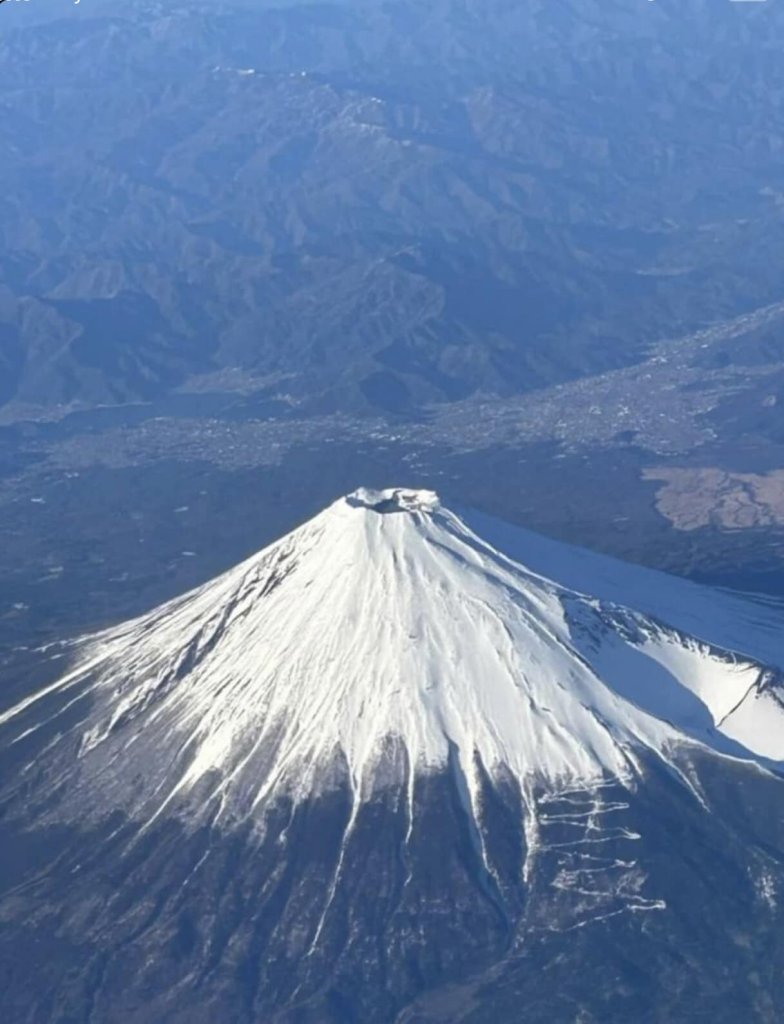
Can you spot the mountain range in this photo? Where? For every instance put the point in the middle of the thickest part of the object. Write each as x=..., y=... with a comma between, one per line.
x=375, y=207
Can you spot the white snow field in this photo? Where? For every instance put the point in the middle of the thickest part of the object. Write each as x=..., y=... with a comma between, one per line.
x=386, y=636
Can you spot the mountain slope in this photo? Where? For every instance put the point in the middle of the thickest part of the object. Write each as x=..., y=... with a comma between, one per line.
x=394, y=766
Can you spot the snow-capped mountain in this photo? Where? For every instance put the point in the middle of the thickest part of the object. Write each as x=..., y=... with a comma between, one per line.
x=402, y=738
x=380, y=636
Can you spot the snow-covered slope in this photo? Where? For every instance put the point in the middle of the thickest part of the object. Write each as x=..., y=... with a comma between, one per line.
x=385, y=638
